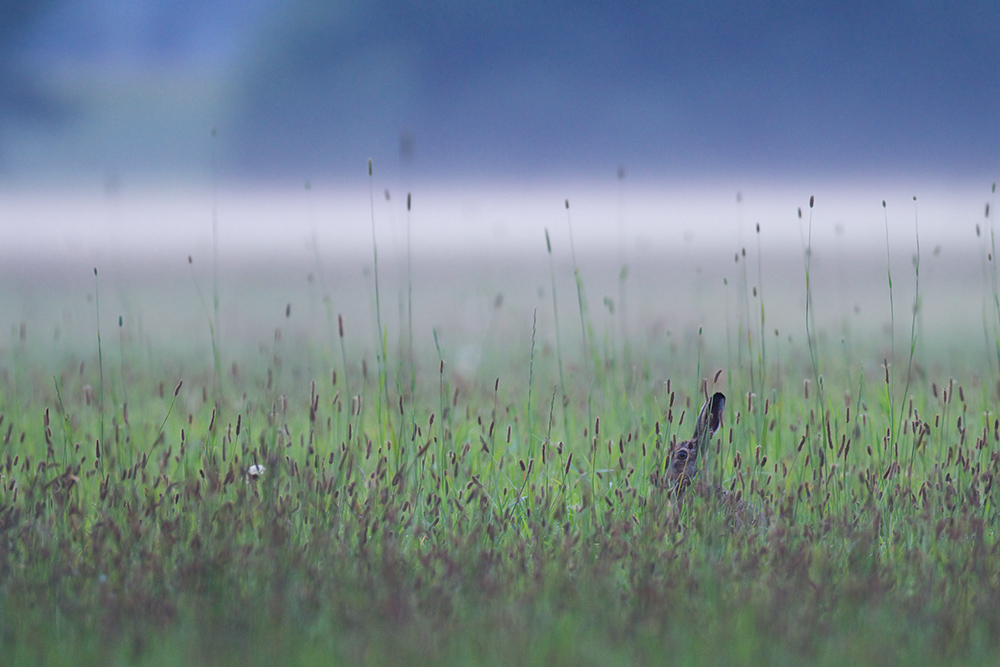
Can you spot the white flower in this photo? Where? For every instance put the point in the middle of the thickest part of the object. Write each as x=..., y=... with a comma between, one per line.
x=254, y=472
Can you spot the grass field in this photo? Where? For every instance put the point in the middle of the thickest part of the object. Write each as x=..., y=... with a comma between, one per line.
x=478, y=483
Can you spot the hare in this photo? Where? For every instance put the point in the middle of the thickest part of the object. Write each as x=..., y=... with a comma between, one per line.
x=684, y=459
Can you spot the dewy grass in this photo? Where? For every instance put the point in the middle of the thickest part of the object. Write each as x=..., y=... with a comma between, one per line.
x=454, y=544
x=326, y=550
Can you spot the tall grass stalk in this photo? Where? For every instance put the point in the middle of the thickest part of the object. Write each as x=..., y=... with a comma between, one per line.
x=761, y=390
x=622, y=279
x=913, y=327
x=729, y=335
x=319, y=271
x=580, y=298
x=409, y=298
x=555, y=318
x=65, y=419
x=890, y=363
x=746, y=316
x=343, y=351
x=124, y=413
x=990, y=318
x=442, y=392
x=216, y=356
x=214, y=322
x=170, y=409
x=100, y=352
x=382, y=333
x=742, y=305
x=993, y=278
x=121, y=361
x=810, y=318
x=811, y=328
x=531, y=376
x=761, y=342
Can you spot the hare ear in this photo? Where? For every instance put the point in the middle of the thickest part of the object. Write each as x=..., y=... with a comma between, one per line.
x=715, y=411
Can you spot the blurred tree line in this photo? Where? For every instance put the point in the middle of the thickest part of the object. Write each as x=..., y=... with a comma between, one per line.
x=24, y=94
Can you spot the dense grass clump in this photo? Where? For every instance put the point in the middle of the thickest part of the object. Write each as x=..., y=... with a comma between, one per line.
x=466, y=537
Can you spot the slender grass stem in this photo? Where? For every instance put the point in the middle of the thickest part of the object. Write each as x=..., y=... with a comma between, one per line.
x=745, y=316
x=531, y=376
x=890, y=397
x=913, y=325
x=442, y=392
x=216, y=356
x=214, y=323
x=121, y=361
x=622, y=280
x=555, y=318
x=993, y=278
x=320, y=273
x=382, y=333
x=170, y=409
x=761, y=342
x=811, y=329
x=761, y=390
x=100, y=352
x=409, y=299
x=580, y=298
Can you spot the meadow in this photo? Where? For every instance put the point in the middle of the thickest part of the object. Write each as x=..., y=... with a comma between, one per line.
x=369, y=462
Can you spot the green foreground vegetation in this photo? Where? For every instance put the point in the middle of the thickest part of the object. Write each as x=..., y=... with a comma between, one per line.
x=411, y=514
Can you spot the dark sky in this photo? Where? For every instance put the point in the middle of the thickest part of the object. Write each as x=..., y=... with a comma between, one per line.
x=500, y=89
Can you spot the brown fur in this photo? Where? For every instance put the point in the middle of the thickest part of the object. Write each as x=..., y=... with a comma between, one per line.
x=686, y=456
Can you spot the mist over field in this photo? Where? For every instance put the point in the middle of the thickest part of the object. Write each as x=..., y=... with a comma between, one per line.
x=129, y=132
x=476, y=263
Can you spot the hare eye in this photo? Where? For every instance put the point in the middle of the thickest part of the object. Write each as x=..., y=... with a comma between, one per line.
x=682, y=455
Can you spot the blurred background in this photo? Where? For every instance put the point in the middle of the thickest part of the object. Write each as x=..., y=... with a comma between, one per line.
x=309, y=89
x=240, y=130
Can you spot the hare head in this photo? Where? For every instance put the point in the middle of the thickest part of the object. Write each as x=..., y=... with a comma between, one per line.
x=683, y=464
